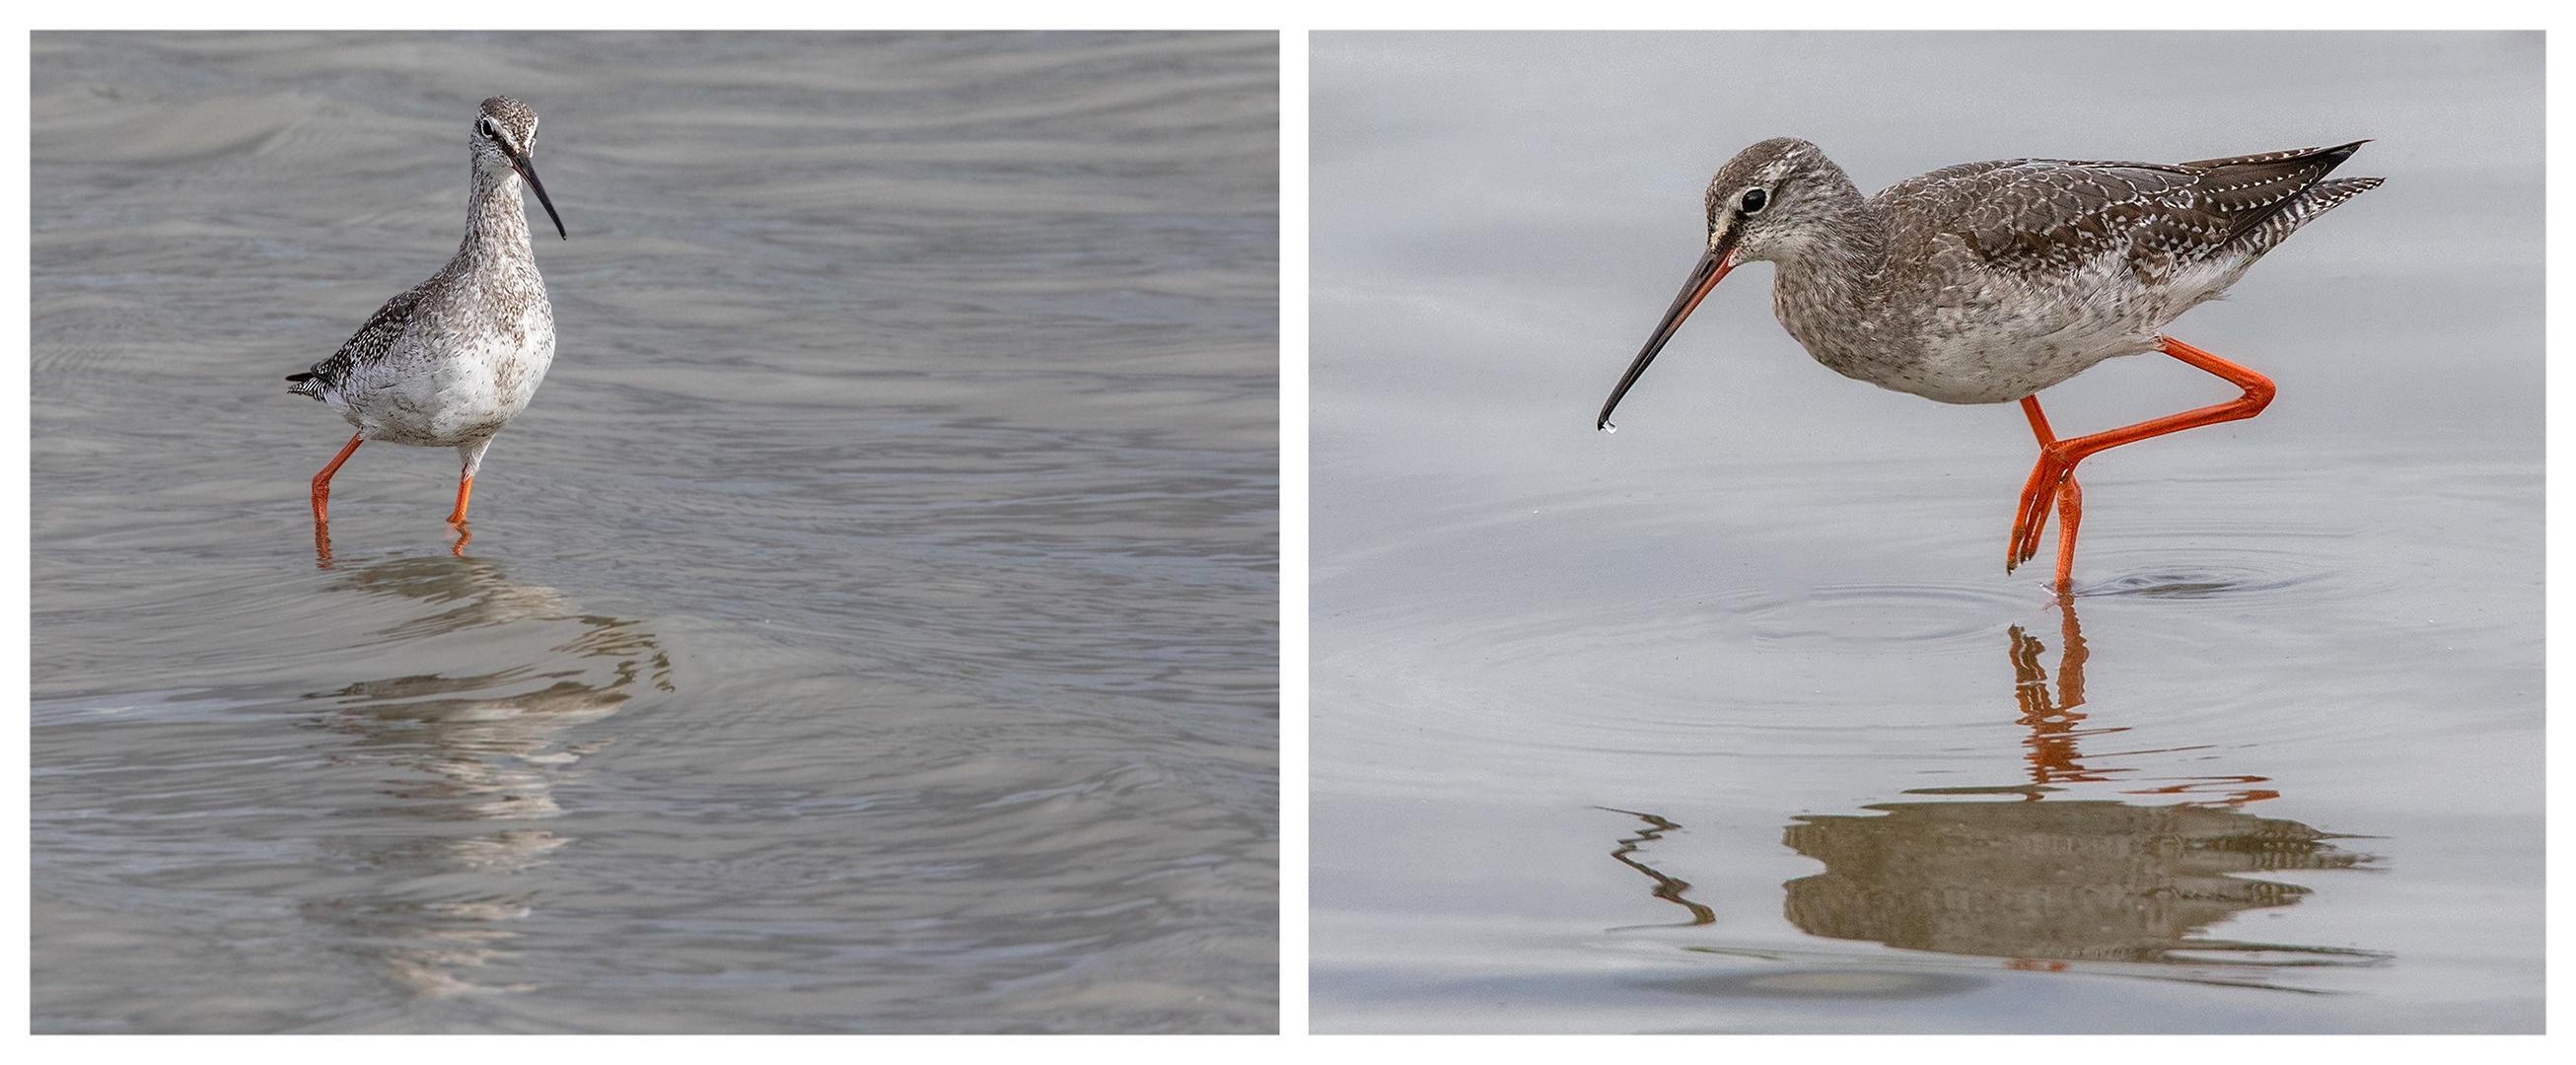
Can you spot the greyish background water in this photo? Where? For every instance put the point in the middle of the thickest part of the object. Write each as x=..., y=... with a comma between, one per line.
x=1772, y=609
x=871, y=626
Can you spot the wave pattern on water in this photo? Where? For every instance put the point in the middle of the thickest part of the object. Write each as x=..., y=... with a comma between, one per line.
x=872, y=625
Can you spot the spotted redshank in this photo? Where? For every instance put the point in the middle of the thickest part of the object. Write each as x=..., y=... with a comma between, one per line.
x=1987, y=282
x=447, y=363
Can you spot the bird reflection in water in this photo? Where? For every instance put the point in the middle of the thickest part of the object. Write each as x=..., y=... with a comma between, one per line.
x=322, y=541
x=1668, y=888
x=2095, y=885
x=2056, y=729
x=475, y=760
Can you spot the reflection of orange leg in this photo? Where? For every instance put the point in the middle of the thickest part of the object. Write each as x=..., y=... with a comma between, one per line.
x=2054, y=725
x=322, y=480
x=2071, y=656
x=2052, y=738
x=2055, y=471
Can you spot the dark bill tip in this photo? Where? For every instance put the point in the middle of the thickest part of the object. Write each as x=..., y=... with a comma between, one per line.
x=528, y=169
x=1704, y=277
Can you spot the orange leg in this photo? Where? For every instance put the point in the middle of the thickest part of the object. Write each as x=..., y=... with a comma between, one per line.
x=2070, y=500
x=2053, y=479
x=322, y=480
x=464, y=488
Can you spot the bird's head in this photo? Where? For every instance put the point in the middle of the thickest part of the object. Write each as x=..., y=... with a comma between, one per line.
x=1769, y=202
x=504, y=138
x=1772, y=198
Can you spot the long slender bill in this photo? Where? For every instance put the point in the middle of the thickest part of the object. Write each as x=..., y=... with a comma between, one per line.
x=528, y=169
x=1704, y=277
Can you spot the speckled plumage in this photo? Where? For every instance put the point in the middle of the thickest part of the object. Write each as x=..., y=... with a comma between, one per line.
x=450, y=361
x=1986, y=282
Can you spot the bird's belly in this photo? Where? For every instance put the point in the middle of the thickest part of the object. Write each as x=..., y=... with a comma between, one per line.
x=464, y=392
x=1977, y=368
x=1981, y=344
x=1980, y=365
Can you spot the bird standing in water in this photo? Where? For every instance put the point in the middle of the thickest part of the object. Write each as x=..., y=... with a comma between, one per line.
x=450, y=361
x=1987, y=282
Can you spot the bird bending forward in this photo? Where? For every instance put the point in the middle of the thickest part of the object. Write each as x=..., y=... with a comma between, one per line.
x=1987, y=282
x=450, y=361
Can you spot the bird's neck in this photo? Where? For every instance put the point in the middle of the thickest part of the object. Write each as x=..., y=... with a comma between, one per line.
x=496, y=223
x=1831, y=287
x=1845, y=253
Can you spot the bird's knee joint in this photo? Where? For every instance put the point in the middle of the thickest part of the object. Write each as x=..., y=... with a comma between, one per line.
x=2259, y=395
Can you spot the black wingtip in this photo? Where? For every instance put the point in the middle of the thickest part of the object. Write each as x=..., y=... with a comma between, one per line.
x=299, y=377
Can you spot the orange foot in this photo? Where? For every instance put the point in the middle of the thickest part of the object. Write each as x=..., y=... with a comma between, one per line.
x=2052, y=480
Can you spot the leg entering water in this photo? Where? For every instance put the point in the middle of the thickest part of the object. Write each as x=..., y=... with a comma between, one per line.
x=471, y=452
x=2070, y=503
x=322, y=480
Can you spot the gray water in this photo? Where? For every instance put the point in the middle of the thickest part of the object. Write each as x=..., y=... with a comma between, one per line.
x=1733, y=721
x=871, y=626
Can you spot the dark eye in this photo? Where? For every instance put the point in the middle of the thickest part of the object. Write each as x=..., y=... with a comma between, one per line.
x=1755, y=200
x=488, y=131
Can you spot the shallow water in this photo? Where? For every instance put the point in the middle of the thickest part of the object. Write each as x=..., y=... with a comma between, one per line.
x=871, y=626
x=1733, y=722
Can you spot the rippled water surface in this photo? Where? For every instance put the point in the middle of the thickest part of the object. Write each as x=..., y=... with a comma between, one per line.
x=1733, y=722
x=871, y=626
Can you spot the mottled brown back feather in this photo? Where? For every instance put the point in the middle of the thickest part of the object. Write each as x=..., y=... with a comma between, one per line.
x=2041, y=216
x=372, y=340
